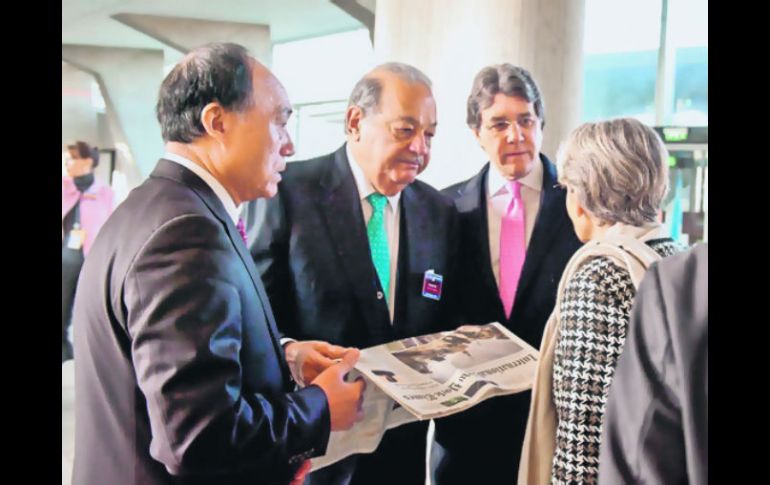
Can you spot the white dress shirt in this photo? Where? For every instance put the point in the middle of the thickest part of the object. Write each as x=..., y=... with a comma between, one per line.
x=392, y=218
x=219, y=190
x=498, y=198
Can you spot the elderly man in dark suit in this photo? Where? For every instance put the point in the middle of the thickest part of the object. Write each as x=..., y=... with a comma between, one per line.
x=357, y=252
x=179, y=373
x=516, y=239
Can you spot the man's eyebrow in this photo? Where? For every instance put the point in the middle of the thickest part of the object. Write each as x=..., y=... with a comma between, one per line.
x=414, y=121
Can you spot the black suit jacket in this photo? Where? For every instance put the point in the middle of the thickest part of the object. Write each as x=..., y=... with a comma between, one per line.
x=180, y=377
x=495, y=428
x=313, y=253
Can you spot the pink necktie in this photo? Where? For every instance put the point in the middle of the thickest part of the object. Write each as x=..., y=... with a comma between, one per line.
x=513, y=247
x=242, y=230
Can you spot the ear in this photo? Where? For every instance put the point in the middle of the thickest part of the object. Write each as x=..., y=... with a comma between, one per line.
x=213, y=120
x=353, y=117
x=589, y=220
x=579, y=209
x=584, y=215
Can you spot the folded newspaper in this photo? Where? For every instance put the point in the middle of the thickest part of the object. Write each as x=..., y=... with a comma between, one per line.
x=432, y=376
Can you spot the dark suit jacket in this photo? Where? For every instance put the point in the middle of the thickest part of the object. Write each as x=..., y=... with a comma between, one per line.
x=494, y=430
x=313, y=253
x=180, y=377
x=656, y=423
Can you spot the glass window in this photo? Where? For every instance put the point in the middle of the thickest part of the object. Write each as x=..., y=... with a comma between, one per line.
x=620, y=48
x=688, y=36
x=317, y=128
x=318, y=74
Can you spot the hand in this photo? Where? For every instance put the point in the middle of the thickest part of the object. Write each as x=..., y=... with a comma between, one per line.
x=345, y=399
x=299, y=477
x=308, y=359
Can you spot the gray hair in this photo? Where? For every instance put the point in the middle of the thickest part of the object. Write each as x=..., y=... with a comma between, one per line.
x=367, y=91
x=507, y=79
x=618, y=170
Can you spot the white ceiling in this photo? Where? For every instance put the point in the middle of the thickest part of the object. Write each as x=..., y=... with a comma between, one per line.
x=89, y=22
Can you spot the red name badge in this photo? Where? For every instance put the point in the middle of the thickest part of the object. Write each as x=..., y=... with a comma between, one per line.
x=431, y=285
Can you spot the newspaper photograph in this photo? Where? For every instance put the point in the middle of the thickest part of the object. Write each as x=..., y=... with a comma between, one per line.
x=432, y=376
x=444, y=373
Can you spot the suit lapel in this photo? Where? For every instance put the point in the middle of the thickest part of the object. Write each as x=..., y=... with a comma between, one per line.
x=472, y=205
x=547, y=226
x=178, y=172
x=341, y=207
x=415, y=250
x=414, y=220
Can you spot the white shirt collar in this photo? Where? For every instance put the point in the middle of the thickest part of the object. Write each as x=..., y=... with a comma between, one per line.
x=211, y=181
x=365, y=188
x=497, y=183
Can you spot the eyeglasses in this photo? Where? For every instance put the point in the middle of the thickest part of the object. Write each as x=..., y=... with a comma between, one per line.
x=502, y=125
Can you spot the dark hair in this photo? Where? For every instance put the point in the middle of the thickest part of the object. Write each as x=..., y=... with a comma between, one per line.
x=507, y=79
x=84, y=150
x=216, y=72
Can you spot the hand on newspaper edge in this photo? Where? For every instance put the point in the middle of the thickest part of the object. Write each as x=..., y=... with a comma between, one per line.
x=345, y=398
x=307, y=359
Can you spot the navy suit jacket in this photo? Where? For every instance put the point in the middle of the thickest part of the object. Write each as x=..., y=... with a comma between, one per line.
x=495, y=428
x=180, y=377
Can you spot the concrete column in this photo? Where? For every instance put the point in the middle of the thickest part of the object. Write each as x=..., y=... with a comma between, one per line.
x=129, y=80
x=184, y=34
x=361, y=10
x=451, y=40
x=78, y=117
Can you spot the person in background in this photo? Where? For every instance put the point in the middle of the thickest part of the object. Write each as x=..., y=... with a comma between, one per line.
x=85, y=205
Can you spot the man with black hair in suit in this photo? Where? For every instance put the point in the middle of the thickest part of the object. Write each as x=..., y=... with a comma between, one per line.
x=516, y=239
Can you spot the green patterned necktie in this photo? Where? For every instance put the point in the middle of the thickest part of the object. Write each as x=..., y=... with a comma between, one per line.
x=378, y=240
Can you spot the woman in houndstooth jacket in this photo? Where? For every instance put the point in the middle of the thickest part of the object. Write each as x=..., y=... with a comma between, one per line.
x=616, y=176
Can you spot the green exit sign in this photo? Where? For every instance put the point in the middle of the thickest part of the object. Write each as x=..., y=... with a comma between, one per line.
x=674, y=134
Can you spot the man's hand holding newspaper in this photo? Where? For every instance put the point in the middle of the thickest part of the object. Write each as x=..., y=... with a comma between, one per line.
x=432, y=376
x=309, y=358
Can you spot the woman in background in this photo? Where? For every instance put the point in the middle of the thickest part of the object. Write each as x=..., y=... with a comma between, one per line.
x=85, y=205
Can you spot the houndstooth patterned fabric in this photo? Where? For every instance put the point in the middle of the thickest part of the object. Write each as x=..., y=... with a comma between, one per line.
x=594, y=315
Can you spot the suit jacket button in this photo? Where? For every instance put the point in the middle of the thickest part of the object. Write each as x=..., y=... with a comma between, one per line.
x=380, y=295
